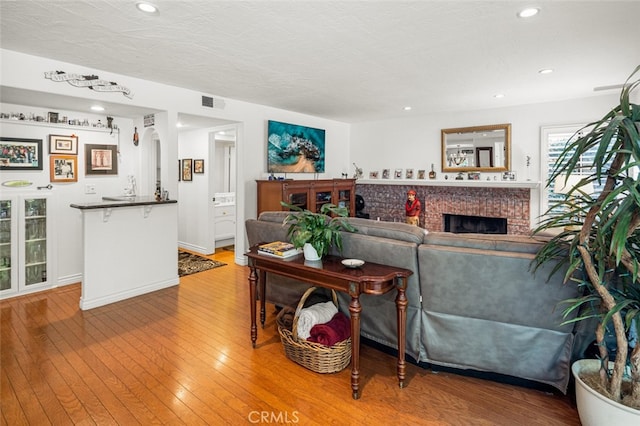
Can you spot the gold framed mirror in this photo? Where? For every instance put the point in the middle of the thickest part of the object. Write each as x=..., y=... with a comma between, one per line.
x=477, y=149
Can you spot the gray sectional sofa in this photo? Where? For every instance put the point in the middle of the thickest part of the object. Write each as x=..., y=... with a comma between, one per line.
x=474, y=304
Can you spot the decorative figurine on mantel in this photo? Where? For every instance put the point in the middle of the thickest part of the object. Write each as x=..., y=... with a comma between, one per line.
x=359, y=173
x=412, y=208
x=432, y=173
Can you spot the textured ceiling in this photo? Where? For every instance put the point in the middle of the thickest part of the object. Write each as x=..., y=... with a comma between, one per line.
x=345, y=60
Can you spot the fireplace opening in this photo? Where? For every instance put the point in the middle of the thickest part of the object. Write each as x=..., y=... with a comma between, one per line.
x=460, y=224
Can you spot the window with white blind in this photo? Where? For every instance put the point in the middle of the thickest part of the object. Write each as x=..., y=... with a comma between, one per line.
x=554, y=141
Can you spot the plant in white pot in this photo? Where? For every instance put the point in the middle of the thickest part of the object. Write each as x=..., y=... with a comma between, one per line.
x=601, y=246
x=319, y=231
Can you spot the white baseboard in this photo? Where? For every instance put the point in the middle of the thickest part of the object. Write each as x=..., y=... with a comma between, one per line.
x=116, y=297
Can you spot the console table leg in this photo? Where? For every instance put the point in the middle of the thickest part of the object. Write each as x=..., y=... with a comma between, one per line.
x=354, y=310
x=253, y=277
x=401, y=308
x=263, y=296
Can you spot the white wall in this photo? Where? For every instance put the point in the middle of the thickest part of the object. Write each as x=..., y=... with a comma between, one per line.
x=414, y=141
x=193, y=223
x=68, y=221
x=26, y=72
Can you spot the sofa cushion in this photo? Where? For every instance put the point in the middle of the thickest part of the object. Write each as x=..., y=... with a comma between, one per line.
x=492, y=285
x=391, y=230
x=273, y=216
x=499, y=242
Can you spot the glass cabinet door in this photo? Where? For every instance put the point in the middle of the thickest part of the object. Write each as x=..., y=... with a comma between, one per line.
x=35, y=241
x=296, y=194
x=7, y=249
x=345, y=198
x=322, y=197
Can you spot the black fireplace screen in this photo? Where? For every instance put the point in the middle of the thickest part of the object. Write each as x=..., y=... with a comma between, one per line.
x=460, y=224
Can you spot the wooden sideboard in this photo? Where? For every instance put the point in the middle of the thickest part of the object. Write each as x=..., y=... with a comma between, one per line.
x=306, y=194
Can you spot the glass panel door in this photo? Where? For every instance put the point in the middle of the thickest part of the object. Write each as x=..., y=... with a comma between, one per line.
x=7, y=279
x=35, y=241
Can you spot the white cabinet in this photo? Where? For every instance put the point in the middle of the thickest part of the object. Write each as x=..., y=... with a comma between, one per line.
x=225, y=222
x=25, y=243
x=225, y=216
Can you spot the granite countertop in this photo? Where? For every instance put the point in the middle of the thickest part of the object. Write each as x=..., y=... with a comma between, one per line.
x=121, y=201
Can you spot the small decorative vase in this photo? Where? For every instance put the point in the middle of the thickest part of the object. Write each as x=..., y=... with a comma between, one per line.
x=310, y=252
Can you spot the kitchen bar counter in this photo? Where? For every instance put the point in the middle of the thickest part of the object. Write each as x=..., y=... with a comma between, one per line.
x=121, y=201
x=130, y=248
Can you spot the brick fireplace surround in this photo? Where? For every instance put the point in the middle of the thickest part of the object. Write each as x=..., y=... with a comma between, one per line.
x=387, y=203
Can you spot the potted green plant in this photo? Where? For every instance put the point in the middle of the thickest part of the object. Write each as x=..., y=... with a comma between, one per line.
x=319, y=231
x=603, y=252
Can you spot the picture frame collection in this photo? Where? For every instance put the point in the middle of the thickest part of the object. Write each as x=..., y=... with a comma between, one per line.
x=64, y=167
x=188, y=167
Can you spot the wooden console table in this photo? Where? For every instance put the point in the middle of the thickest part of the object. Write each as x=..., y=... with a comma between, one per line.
x=371, y=278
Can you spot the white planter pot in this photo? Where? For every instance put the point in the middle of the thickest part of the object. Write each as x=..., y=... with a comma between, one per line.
x=596, y=409
x=310, y=253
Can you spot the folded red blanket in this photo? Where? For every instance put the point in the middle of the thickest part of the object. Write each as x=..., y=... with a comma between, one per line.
x=332, y=332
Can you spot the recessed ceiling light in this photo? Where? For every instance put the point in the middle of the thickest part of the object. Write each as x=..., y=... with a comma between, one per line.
x=146, y=7
x=528, y=12
x=498, y=95
x=545, y=71
x=407, y=108
x=179, y=125
x=97, y=108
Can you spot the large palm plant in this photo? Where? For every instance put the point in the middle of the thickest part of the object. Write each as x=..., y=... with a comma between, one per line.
x=603, y=252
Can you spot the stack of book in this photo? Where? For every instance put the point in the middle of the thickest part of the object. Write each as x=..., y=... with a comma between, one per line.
x=279, y=249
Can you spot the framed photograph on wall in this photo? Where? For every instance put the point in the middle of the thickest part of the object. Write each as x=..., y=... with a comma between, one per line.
x=187, y=169
x=179, y=170
x=63, y=168
x=101, y=159
x=67, y=145
x=198, y=166
x=20, y=154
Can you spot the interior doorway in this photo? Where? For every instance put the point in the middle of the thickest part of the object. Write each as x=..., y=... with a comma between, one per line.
x=206, y=197
x=223, y=181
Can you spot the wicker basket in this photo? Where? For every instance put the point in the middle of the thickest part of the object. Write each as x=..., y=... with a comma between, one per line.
x=314, y=356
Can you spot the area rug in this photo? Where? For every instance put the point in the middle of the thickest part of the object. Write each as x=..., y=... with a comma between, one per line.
x=189, y=263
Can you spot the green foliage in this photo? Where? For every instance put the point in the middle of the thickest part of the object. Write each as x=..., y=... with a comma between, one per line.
x=321, y=230
x=602, y=252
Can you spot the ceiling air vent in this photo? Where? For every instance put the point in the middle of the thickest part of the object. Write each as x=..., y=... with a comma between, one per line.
x=210, y=102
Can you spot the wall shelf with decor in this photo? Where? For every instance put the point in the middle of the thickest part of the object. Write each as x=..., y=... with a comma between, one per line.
x=452, y=182
x=58, y=125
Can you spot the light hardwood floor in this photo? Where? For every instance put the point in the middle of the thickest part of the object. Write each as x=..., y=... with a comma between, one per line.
x=183, y=356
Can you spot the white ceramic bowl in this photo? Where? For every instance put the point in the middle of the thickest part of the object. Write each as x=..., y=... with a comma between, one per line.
x=353, y=263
